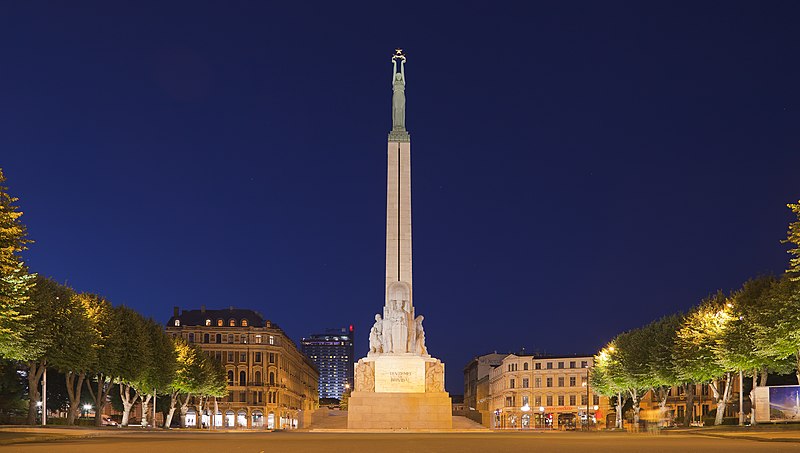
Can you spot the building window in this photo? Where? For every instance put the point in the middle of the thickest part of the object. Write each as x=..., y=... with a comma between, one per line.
x=525, y=383
x=258, y=339
x=230, y=356
x=549, y=400
x=244, y=339
x=524, y=400
x=525, y=366
x=232, y=322
x=206, y=338
x=549, y=382
x=208, y=322
x=258, y=378
x=549, y=365
x=258, y=357
x=219, y=338
x=230, y=338
x=244, y=323
x=177, y=323
x=561, y=381
x=560, y=365
x=218, y=356
x=220, y=322
x=271, y=357
x=271, y=339
x=242, y=398
x=572, y=400
x=230, y=377
x=596, y=399
x=560, y=400
x=583, y=381
x=509, y=401
x=537, y=366
x=572, y=364
x=537, y=400
x=511, y=383
x=537, y=382
x=242, y=357
x=242, y=378
x=584, y=364
x=271, y=378
x=583, y=400
x=572, y=381
x=191, y=338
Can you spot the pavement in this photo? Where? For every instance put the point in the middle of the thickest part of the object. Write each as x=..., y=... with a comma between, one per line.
x=139, y=441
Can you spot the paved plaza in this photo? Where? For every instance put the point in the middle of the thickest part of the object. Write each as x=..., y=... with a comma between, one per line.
x=306, y=442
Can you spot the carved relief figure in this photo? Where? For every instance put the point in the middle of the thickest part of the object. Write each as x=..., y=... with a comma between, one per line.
x=434, y=377
x=365, y=376
x=376, y=335
x=420, y=337
x=399, y=331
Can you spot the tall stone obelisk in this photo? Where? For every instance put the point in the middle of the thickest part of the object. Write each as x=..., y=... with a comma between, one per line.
x=399, y=385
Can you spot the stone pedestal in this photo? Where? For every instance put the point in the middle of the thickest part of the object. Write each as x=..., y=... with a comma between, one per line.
x=402, y=391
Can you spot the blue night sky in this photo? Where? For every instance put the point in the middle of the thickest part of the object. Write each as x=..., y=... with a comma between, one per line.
x=579, y=168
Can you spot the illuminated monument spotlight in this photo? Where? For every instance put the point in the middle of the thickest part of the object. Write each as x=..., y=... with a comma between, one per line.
x=399, y=385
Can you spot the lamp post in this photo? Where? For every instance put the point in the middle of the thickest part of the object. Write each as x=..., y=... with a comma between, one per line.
x=586, y=384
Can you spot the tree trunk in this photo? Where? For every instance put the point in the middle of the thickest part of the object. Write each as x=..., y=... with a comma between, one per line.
x=214, y=417
x=128, y=400
x=689, y=416
x=198, y=418
x=620, y=404
x=145, y=408
x=753, y=398
x=74, y=388
x=185, y=409
x=35, y=371
x=173, y=400
x=721, y=397
x=100, y=397
x=635, y=399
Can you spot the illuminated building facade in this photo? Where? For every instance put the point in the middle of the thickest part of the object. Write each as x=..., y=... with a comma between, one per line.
x=271, y=384
x=333, y=354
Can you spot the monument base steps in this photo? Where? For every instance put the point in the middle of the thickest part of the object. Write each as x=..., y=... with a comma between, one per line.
x=370, y=410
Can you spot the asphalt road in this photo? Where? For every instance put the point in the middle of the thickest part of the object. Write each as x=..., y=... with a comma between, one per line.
x=304, y=442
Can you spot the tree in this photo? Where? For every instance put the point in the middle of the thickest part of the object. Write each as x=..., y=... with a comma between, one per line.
x=110, y=347
x=793, y=237
x=134, y=358
x=607, y=378
x=187, y=379
x=159, y=371
x=15, y=282
x=75, y=352
x=697, y=354
x=48, y=305
x=777, y=332
x=662, y=373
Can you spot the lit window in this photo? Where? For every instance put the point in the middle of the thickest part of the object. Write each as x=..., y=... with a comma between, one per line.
x=220, y=322
x=177, y=323
x=271, y=339
x=232, y=322
x=244, y=323
x=258, y=339
x=208, y=322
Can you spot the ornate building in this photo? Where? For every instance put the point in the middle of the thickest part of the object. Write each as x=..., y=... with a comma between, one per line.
x=271, y=384
x=530, y=391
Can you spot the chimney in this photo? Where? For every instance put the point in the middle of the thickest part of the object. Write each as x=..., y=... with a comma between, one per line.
x=202, y=309
x=176, y=311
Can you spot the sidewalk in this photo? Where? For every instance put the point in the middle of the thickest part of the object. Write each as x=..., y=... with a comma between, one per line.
x=761, y=433
x=12, y=434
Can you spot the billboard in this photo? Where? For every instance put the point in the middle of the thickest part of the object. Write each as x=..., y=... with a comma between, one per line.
x=780, y=403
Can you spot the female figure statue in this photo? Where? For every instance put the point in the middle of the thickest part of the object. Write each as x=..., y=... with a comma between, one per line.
x=375, y=334
x=399, y=96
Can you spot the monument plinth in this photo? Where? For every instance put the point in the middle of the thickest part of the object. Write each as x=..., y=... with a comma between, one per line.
x=399, y=385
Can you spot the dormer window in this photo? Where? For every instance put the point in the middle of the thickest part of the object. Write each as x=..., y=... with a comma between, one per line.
x=232, y=322
x=220, y=322
x=177, y=323
x=208, y=322
x=244, y=323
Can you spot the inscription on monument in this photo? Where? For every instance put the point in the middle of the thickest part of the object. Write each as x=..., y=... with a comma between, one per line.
x=400, y=375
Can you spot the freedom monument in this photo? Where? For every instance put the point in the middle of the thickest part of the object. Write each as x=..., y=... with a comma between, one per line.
x=399, y=385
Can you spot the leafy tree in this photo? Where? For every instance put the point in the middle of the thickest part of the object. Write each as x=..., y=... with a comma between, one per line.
x=188, y=379
x=777, y=332
x=75, y=353
x=607, y=378
x=160, y=369
x=49, y=304
x=697, y=354
x=662, y=373
x=135, y=356
x=110, y=348
x=15, y=282
x=793, y=237
x=12, y=389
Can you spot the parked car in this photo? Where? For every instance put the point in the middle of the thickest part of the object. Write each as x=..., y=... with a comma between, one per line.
x=107, y=421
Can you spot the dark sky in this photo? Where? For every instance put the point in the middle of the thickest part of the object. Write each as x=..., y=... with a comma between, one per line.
x=579, y=169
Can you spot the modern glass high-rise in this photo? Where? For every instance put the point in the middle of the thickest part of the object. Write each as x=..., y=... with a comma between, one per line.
x=333, y=354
